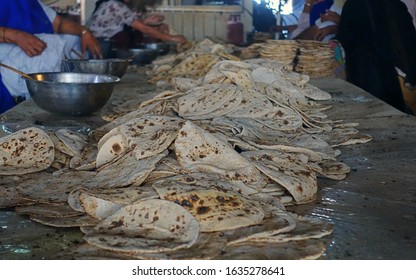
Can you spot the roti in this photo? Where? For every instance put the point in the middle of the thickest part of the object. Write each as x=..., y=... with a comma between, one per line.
x=150, y=226
x=199, y=151
x=26, y=151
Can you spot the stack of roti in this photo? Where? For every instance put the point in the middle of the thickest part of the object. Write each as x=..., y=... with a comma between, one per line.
x=193, y=63
x=315, y=59
x=204, y=171
x=283, y=51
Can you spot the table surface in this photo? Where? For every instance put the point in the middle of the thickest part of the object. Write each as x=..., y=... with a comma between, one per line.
x=373, y=210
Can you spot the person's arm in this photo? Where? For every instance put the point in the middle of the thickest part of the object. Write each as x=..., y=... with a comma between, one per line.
x=62, y=25
x=330, y=16
x=323, y=32
x=29, y=43
x=303, y=22
x=154, y=19
x=154, y=32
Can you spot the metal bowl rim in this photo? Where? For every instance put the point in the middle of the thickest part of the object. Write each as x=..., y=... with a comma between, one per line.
x=97, y=60
x=113, y=78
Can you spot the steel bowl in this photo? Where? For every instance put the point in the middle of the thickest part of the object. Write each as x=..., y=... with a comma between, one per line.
x=111, y=66
x=163, y=48
x=73, y=94
x=136, y=55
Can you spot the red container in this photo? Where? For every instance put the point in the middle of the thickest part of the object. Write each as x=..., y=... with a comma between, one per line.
x=235, y=30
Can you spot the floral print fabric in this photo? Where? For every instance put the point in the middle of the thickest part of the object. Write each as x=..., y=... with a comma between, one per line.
x=109, y=19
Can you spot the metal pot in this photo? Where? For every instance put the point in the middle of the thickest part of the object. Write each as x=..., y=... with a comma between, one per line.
x=136, y=55
x=163, y=48
x=74, y=94
x=111, y=66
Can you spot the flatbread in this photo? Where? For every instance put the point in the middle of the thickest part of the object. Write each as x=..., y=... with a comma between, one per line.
x=150, y=226
x=195, y=182
x=279, y=222
x=253, y=105
x=289, y=170
x=26, y=151
x=53, y=188
x=199, y=151
x=306, y=228
x=96, y=207
x=150, y=134
x=75, y=141
x=207, y=247
x=205, y=99
x=9, y=196
x=129, y=170
x=309, y=249
x=218, y=210
x=66, y=222
x=48, y=210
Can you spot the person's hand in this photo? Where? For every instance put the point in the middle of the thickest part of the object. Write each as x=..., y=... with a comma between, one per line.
x=154, y=19
x=330, y=16
x=29, y=43
x=323, y=32
x=89, y=42
x=180, y=39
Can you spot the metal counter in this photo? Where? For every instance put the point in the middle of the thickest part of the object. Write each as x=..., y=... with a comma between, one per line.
x=373, y=210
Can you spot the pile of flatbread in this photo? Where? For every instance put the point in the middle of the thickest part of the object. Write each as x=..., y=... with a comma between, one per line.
x=315, y=59
x=283, y=51
x=312, y=58
x=193, y=63
x=203, y=171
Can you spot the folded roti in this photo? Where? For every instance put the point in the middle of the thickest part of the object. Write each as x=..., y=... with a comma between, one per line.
x=26, y=151
x=289, y=170
x=205, y=99
x=125, y=171
x=218, y=210
x=150, y=226
x=253, y=105
x=195, y=182
x=151, y=134
x=198, y=150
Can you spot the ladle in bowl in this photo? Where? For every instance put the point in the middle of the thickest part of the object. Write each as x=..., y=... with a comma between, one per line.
x=17, y=71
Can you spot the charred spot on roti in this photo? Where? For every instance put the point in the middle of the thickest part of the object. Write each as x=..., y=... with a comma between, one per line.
x=116, y=148
x=203, y=210
x=116, y=224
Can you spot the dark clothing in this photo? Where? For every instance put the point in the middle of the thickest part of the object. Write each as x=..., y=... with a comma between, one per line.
x=318, y=9
x=377, y=36
x=263, y=17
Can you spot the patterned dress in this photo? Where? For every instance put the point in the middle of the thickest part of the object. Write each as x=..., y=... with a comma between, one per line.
x=110, y=18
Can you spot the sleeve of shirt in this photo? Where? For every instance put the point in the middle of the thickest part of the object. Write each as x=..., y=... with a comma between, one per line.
x=50, y=13
x=127, y=15
x=302, y=25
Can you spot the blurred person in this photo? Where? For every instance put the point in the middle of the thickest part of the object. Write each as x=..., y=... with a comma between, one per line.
x=263, y=17
x=327, y=24
x=378, y=37
x=312, y=10
x=116, y=20
x=309, y=13
x=32, y=40
x=409, y=93
x=411, y=8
